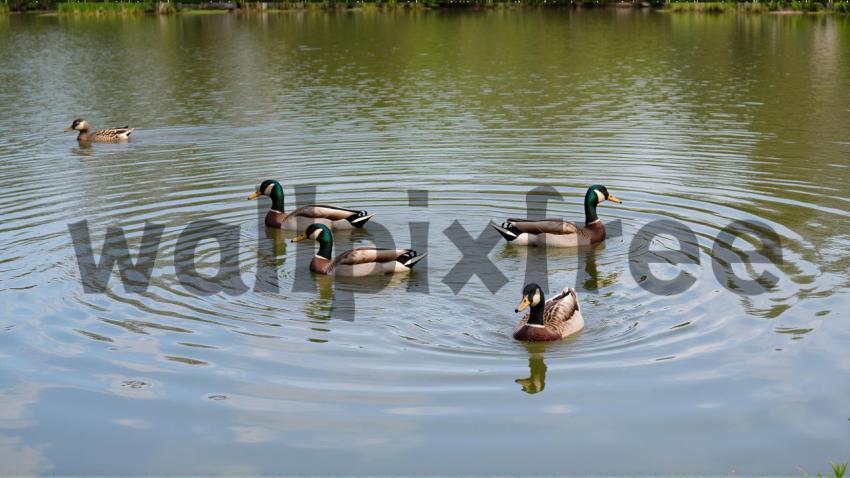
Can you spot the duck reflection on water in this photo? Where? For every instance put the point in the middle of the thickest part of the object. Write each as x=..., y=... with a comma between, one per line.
x=536, y=380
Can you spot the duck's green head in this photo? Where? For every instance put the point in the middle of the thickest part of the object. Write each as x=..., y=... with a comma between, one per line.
x=601, y=193
x=532, y=296
x=596, y=194
x=321, y=234
x=316, y=232
x=266, y=188
x=272, y=189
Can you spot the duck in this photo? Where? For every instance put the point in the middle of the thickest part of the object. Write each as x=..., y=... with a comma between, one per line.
x=548, y=320
x=336, y=218
x=358, y=262
x=109, y=135
x=558, y=232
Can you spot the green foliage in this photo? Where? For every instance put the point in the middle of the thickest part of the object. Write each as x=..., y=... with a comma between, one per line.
x=804, y=6
x=165, y=8
x=703, y=7
x=838, y=470
x=24, y=5
x=104, y=8
x=758, y=7
x=77, y=7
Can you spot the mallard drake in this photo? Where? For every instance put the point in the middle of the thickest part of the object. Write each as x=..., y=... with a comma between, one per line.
x=358, y=262
x=109, y=135
x=558, y=232
x=336, y=218
x=553, y=319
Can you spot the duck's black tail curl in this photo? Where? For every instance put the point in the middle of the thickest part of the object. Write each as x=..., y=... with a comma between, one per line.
x=507, y=230
x=410, y=258
x=359, y=219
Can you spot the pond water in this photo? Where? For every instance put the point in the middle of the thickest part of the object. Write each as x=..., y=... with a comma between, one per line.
x=695, y=118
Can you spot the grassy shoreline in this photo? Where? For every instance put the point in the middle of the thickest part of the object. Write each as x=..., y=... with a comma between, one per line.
x=104, y=8
x=153, y=7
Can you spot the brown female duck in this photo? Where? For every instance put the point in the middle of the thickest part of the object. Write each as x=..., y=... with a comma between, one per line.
x=553, y=319
x=109, y=135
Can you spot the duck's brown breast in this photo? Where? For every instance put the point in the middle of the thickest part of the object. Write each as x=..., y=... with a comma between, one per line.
x=320, y=265
x=595, y=231
x=535, y=334
x=275, y=218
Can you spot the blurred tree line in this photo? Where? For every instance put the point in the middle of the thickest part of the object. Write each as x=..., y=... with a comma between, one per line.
x=170, y=6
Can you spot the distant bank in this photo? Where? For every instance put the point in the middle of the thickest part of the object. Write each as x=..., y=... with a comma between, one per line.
x=168, y=7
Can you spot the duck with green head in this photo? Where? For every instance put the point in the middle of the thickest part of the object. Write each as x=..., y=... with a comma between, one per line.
x=553, y=319
x=336, y=218
x=558, y=232
x=358, y=262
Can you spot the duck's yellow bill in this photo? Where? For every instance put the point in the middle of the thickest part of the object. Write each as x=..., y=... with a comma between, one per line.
x=522, y=305
x=611, y=197
x=255, y=195
x=299, y=238
x=68, y=129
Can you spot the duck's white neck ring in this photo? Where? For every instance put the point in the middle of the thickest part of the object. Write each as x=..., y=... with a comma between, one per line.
x=593, y=222
x=539, y=326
